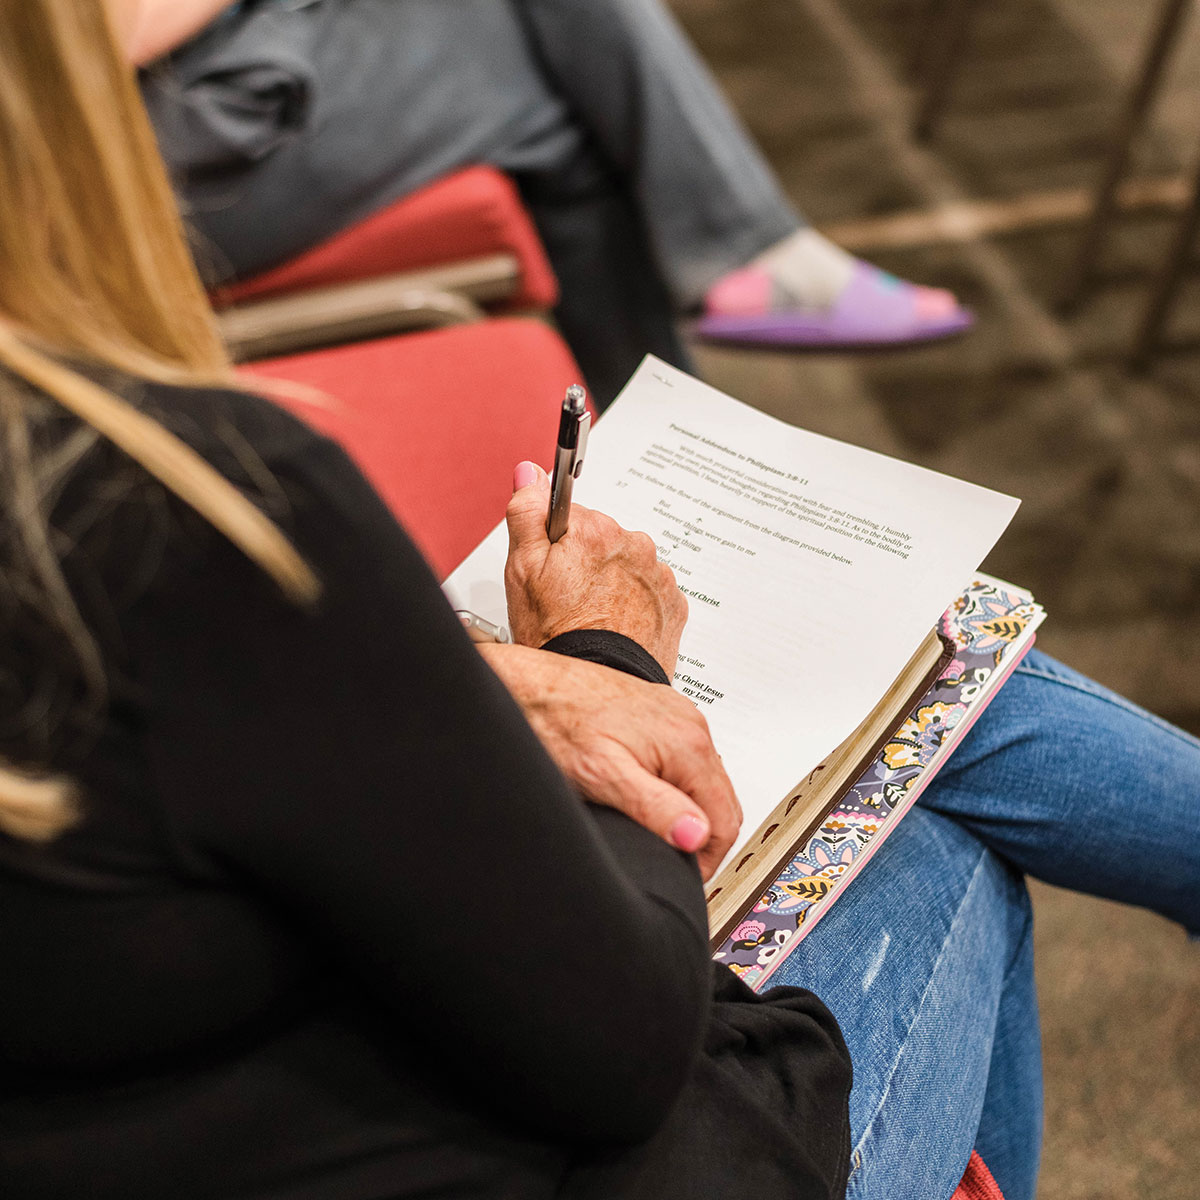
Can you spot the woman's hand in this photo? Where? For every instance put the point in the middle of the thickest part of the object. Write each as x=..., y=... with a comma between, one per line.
x=637, y=747
x=148, y=29
x=596, y=576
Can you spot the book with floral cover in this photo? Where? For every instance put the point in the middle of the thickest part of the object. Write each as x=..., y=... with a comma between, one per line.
x=988, y=630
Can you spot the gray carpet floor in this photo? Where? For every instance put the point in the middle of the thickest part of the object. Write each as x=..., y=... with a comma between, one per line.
x=1034, y=403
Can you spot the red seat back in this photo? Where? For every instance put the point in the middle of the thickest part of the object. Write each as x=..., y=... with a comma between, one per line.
x=470, y=214
x=437, y=421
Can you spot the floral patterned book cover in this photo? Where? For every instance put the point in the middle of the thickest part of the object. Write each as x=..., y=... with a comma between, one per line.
x=990, y=626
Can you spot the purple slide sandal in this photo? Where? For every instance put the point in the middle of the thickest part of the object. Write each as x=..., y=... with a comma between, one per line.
x=874, y=310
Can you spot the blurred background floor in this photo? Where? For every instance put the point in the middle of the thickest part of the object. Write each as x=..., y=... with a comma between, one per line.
x=1035, y=404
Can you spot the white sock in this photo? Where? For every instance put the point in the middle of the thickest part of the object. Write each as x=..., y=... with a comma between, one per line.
x=808, y=269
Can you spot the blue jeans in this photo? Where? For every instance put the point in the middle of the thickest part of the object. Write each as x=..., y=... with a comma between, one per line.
x=927, y=960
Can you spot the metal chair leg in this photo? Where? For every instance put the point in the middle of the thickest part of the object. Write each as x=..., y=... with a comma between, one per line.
x=1137, y=105
x=1168, y=286
x=1166, y=290
x=959, y=19
x=926, y=17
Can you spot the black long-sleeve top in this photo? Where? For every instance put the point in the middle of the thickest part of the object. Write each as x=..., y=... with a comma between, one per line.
x=333, y=924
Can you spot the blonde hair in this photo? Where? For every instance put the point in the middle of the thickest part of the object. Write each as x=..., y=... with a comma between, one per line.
x=94, y=269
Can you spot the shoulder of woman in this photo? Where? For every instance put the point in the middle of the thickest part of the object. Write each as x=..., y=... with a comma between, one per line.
x=125, y=524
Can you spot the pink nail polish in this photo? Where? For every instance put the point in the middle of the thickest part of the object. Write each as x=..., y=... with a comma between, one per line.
x=689, y=833
x=524, y=475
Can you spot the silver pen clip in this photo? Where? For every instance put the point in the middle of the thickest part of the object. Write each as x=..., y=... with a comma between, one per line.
x=585, y=426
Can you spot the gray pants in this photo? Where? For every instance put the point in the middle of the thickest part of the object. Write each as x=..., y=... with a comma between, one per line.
x=642, y=183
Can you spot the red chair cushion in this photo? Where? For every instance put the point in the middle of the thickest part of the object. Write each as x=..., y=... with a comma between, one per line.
x=977, y=1183
x=470, y=214
x=437, y=421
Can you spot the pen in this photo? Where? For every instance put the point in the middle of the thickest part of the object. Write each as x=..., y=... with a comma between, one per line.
x=573, y=427
x=480, y=630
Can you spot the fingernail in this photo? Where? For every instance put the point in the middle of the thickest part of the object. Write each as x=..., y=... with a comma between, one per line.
x=524, y=474
x=689, y=833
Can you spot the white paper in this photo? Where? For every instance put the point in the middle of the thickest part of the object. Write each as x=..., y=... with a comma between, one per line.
x=813, y=569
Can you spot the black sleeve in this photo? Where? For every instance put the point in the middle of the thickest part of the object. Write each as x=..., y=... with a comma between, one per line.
x=609, y=649
x=359, y=767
